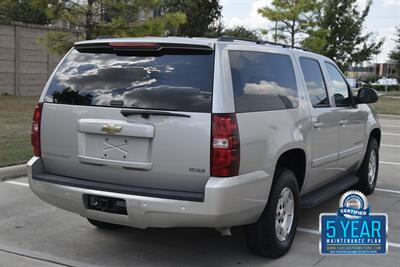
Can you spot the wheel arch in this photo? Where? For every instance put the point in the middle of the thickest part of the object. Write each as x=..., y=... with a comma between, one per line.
x=294, y=159
x=375, y=133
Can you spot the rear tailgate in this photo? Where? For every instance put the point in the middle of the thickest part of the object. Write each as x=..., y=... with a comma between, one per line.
x=131, y=118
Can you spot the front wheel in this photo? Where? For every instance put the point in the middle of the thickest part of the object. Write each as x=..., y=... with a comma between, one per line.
x=368, y=172
x=273, y=234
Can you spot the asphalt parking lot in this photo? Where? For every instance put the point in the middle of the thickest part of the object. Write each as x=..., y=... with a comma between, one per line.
x=33, y=233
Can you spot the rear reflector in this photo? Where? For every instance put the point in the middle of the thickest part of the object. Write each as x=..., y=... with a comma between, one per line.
x=35, y=133
x=225, y=146
x=133, y=45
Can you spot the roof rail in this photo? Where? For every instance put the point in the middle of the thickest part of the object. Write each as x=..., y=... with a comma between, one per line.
x=105, y=37
x=285, y=45
x=261, y=42
x=226, y=38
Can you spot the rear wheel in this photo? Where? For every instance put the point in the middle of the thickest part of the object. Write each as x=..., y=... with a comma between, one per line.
x=368, y=172
x=272, y=235
x=104, y=225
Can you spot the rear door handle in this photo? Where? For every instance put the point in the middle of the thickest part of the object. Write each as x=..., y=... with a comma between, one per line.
x=343, y=122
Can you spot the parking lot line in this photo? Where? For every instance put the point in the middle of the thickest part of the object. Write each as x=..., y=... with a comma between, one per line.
x=17, y=183
x=36, y=258
x=389, y=163
x=386, y=145
x=316, y=232
x=396, y=245
x=391, y=125
x=394, y=134
x=308, y=231
x=387, y=190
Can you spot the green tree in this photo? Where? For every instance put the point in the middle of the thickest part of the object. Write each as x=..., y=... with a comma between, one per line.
x=293, y=19
x=316, y=41
x=345, y=42
x=203, y=16
x=395, y=53
x=242, y=32
x=27, y=11
x=119, y=18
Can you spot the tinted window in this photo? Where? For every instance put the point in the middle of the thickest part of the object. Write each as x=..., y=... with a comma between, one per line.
x=170, y=82
x=262, y=81
x=315, y=82
x=339, y=86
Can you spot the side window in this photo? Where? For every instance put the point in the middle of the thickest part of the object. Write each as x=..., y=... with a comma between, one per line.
x=262, y=81
x=339, y=86
x=315, y=82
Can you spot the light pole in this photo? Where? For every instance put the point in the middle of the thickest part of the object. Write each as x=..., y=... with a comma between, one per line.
x=387, y=74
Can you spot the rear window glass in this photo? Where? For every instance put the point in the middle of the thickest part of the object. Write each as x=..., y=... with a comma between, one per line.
x=262, y=81
x=167, y=82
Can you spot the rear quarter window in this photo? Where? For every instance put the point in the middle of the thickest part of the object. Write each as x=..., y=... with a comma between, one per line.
x=167, y=82
x=262, y=81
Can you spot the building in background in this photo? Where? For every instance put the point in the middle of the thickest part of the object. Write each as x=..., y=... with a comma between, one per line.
x=386, y=70
x=372, y=72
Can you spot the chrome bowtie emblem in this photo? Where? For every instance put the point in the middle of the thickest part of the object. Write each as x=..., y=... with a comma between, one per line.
x=111, y=128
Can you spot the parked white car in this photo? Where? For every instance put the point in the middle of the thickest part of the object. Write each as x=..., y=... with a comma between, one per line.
x=384, y=81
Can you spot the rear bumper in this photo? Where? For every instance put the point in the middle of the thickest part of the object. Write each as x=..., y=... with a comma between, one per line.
x=227, y=202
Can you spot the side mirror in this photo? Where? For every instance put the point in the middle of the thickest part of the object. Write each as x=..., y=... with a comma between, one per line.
x=366, y=95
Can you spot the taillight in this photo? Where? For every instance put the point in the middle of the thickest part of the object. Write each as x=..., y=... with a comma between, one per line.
x=225, y=145
x=35, y=133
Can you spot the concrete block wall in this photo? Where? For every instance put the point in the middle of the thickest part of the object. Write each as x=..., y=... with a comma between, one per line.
x=25, y=64
x=7, y=59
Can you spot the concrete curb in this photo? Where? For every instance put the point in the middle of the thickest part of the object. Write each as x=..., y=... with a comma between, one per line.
x=389, y=116
x=12, y=172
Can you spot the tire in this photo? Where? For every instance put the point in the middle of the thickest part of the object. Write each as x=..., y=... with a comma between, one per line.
x=104, y=225
x=262, y=237
x=366, y=183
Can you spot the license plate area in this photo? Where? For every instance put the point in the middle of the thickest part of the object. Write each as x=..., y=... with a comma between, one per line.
x=117, y=148
x=105, y=204
x=128, y=148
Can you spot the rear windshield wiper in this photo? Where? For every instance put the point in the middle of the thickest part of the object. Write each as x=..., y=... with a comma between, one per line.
x=146, y=113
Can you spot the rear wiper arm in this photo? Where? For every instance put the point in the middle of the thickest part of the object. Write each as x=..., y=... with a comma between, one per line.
x=146, y=113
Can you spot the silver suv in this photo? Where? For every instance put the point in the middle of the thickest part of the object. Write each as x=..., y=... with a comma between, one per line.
x=195, y=132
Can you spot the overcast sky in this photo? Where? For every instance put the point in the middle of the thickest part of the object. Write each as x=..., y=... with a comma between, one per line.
x=382, y=19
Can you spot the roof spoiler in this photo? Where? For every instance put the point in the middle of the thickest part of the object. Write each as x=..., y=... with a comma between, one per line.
x=136, y=47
